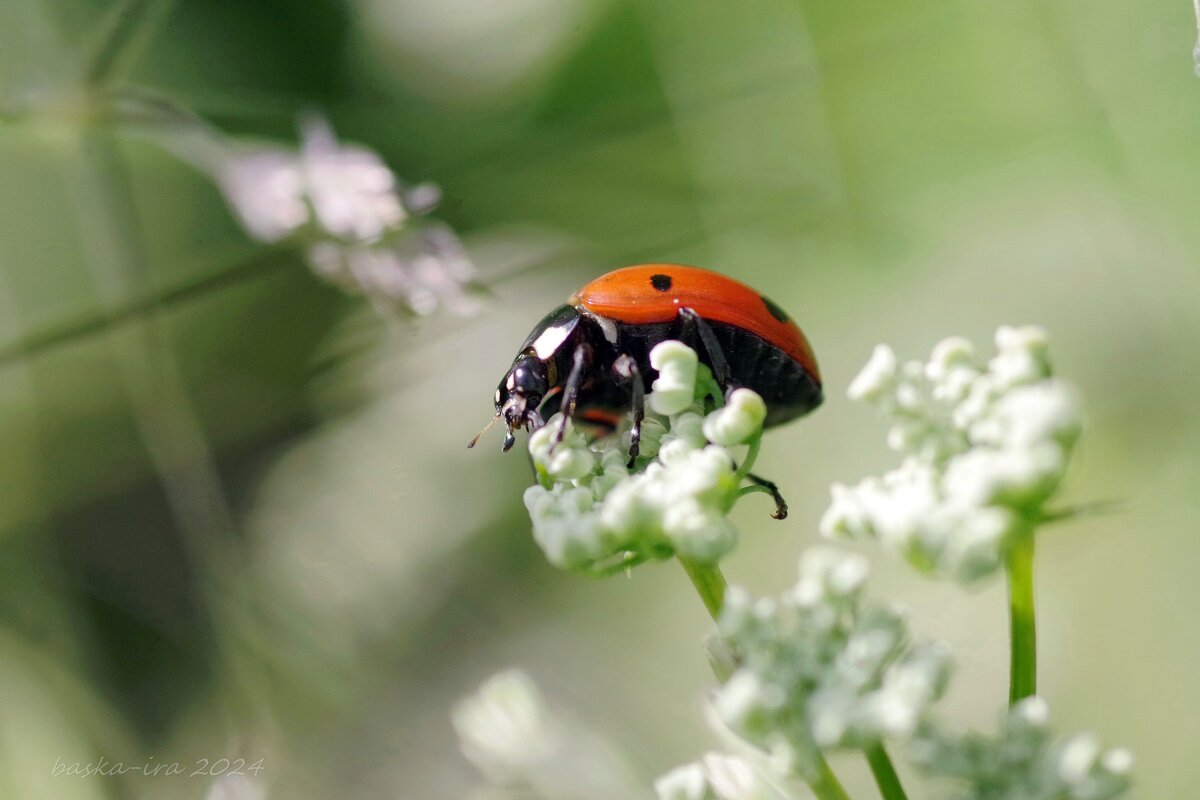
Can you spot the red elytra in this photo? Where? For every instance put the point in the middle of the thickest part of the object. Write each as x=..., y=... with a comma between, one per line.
x=639, y=295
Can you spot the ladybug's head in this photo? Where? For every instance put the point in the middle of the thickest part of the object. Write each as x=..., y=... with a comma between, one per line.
x=529, y=379
x=519, y=395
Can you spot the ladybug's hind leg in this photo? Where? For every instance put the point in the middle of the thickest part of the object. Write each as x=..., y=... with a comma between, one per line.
x=781, y=506
x=693, y=326
x=570, y=396
x=626, y=370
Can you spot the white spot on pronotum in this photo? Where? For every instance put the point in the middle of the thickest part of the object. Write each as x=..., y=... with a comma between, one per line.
x=550, y=340
x=607, y=327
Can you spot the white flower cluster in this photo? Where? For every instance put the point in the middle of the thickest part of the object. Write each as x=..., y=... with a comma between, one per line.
x=1025, y=762
x=985, y=446
x=818, y=668
x=361, y=229
x=510, y=733
x=505, y=728
x=591, y=511
x=717, y=776
x=235, y=786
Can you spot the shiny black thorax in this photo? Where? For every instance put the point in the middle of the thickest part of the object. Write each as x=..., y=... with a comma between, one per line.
x=786, y=387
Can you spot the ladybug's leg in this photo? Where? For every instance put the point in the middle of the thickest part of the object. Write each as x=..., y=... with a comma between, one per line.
x=695, y=326
x=781, y=506
x=626, y=369
x=570, y=396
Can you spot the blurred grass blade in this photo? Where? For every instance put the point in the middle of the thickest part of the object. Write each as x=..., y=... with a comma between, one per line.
x=1094, y=509
x=260, y=264
x=147, y=365
x=122, y=35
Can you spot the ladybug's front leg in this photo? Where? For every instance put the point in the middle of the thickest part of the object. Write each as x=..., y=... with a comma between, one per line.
x=693, y=326
x=781, y=506
x=580, y=361
x=626, y=370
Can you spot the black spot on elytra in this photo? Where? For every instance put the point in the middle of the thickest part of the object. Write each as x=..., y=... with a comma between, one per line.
x=776, y=312
x=661, y=282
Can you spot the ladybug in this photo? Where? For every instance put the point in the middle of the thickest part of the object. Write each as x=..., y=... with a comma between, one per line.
x=591, y=357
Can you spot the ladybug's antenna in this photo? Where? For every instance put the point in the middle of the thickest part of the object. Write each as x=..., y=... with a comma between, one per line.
x=486, y=428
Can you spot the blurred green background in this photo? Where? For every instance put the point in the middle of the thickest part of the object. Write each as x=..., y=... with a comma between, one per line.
x=237, y=518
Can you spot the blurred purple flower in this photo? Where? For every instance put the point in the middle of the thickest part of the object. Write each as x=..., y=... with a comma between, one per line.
x=361, y=228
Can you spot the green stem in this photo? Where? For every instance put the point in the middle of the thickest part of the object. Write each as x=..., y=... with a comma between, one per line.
x=1022, y=627
x=748, y=461
x=885, y=773
x=824, y=784
x=709, y=582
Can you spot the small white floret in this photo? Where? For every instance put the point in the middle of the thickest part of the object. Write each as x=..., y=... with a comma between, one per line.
x=740, y=419
x=674, y=389
x=876, y=377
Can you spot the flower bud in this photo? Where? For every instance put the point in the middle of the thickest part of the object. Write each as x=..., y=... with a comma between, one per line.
x=738, y=420
x=876, y=378
x=675, y=387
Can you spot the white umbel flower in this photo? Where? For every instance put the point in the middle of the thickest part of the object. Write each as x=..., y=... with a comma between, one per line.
x=1025, y=761
x=570, y=460
x=985, y=446
x=819, y=668
x=505, y=727
x=518, y=742
x=591, y=511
